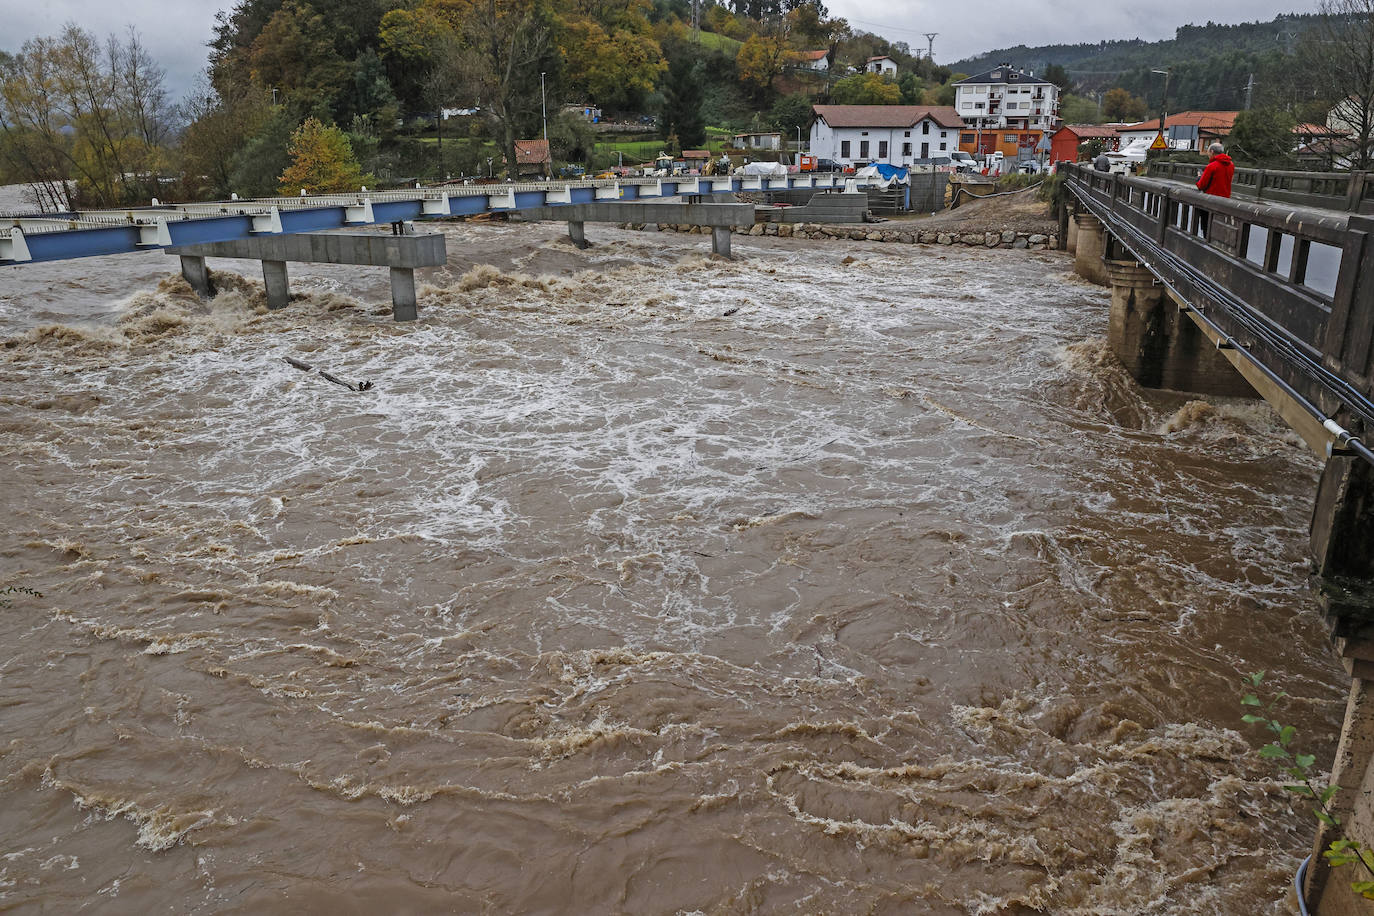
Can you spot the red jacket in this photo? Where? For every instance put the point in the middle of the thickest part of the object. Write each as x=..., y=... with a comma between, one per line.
x=1216, y=178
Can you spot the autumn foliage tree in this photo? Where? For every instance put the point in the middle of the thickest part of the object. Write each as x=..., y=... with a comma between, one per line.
x=866, y=89
x=321, y=161
x=1120, y=105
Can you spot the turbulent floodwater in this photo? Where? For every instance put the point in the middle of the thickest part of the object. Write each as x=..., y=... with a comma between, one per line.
x=887, y=593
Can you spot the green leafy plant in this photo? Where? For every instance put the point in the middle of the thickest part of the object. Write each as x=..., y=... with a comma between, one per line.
x=1341, y=850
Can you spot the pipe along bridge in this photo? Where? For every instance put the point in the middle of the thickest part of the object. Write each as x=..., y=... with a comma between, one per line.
x=1234, y=297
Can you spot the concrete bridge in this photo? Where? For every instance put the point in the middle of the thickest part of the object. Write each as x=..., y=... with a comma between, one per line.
x=56, y=237
x=1272, y=297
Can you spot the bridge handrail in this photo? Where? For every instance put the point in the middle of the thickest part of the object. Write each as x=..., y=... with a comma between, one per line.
x=1253, y=260
x=1349, y=191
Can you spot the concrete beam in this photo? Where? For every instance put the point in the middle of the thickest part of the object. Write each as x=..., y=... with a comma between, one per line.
x=720, y=241
x=369, y=249
x=401, y=253
x=629, y=212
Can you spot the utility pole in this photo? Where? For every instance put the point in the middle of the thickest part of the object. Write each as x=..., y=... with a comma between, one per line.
x=930, y=45
x=1249, y=91
x=696, y=21
x=544, y=107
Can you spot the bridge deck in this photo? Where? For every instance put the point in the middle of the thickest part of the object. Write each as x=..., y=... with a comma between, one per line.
x=1289, y=288
x=28, y=238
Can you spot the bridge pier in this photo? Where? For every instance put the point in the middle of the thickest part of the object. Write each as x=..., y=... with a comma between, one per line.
x=402, y=254
x=195, y=272
x=1068, y=229
x=278, y=286
x=1159, y=345
x=720, y=241
x=1090, y=244
x=577, y=231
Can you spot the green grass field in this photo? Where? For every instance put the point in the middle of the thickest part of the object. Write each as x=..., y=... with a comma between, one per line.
x=720, y=43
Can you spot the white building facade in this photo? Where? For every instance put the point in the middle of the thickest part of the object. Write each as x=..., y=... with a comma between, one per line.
x=884, y=65
x=1005, y=98
x=895, y=134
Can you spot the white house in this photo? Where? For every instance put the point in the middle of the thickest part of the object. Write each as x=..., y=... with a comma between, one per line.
x=895, y=134
x=814, y=60
x=884, y=65
x=1005, y=98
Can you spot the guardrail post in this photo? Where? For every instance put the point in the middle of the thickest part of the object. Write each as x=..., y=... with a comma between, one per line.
x=1259, y=184
x=1354, y=191
x=1350, y=326
x=1166, y=206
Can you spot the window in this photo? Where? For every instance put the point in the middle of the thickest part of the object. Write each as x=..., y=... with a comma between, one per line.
x=942, y=147
x=925, y=127
x=844, y=149
x=907, y=134
x=882, y=149
x=1009, y=138
x=906, y=149
x=968, y=138
x=979, y=105
x=863, y=133
x=863, y=149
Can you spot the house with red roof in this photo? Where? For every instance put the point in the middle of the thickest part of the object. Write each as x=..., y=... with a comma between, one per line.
x=895, y=134
x=885, y=66
x=532, y=157
x=814, y=60
x=1194, y=130
x=1065, y=141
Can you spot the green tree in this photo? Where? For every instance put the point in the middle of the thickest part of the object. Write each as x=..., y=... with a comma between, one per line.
x=865, y=89
x=683, y=94
x=1075, y=109
x=913, y=88
x=616, y=68
x=791, y=113
x=294, y=54
x=1056, y=74
x=321, y=160
x=761, y=59
x=1263, y=137
x=254, y=167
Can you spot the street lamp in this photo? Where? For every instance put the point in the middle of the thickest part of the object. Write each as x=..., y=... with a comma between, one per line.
x=1164, y=103
x=489, y=172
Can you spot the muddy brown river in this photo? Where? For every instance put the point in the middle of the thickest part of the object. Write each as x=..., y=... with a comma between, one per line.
x=887, y=593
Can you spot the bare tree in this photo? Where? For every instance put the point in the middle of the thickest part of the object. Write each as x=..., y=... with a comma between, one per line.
x=73, y=110
x=1344, y=67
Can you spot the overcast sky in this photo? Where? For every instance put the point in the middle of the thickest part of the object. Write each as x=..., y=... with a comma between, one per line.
x=176, y=31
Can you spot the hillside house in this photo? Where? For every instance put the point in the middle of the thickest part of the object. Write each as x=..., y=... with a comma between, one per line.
x=532, y=157
x=1065, y=141
x=814, y=60
x=894, y=134
x=1007, y=99
x=1194, y=130
x=885, y=66
x=758, y=140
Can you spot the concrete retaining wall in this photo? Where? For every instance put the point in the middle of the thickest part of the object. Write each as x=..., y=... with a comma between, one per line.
x=873, y=233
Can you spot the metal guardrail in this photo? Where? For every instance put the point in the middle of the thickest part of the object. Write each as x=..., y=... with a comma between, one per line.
x=87, y=233
x=1352, y=192
x=1293, y=288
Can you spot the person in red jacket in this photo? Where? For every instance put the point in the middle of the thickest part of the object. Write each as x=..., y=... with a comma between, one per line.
x=1216, y=178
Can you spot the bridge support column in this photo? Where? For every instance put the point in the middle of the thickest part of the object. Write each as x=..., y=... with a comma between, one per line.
x=275, y=280
x=1160, y=346
x=1342, y=532
x=1068, y=229
x=720, y=241
x=577, y=231
x=195, y=272
x=1090, y=245
x=404, y=306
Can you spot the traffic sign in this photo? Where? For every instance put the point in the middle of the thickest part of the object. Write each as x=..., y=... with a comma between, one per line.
x=1159, y=142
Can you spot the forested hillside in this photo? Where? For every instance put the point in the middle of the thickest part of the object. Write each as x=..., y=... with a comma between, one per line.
x=1211, y=64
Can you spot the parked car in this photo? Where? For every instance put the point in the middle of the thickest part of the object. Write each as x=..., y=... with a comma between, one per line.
x=963, y=162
